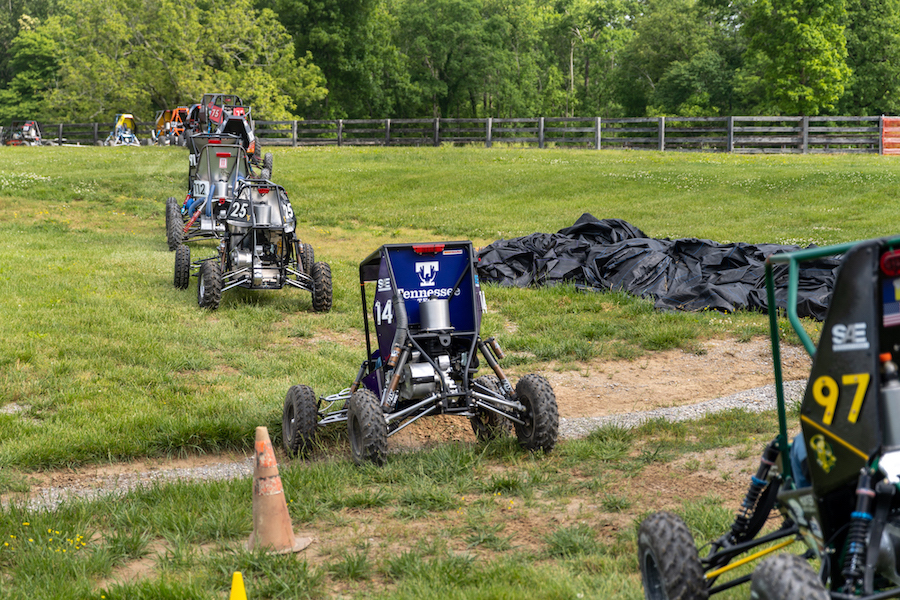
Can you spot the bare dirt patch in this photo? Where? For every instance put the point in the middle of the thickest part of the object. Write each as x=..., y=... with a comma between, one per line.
x=658, y=380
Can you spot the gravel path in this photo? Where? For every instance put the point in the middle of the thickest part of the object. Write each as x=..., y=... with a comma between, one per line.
x=756, y=400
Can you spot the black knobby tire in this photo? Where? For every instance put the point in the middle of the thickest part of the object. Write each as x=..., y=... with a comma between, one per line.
x=307, y=258
x=541, y=419
x=299, y=419
x=670, y=565
x=366, y=428
x=786, y=577
x=209, y=288
x=265, y=174
x=321, y=292
x=268, y=159
x=489, y=425
x=169, y=201
x=182, y=267
x=174, y=224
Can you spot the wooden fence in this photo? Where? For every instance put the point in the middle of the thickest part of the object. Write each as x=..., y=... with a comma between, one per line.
x=702, y=134
x=747, y=135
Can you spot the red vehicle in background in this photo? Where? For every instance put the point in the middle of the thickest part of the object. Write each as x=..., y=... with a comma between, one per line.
x=225, y=114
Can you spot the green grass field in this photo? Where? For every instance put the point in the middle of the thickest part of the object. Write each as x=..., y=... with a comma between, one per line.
x=104, y=360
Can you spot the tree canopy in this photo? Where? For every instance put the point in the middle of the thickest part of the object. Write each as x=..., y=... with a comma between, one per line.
x=85, y=60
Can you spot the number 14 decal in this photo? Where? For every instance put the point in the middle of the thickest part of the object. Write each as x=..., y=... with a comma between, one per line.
x=826, y=392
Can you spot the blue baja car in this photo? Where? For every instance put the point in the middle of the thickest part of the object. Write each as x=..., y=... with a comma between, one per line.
x=426, y=314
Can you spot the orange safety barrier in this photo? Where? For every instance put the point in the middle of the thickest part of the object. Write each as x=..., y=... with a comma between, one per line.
x=890, y=135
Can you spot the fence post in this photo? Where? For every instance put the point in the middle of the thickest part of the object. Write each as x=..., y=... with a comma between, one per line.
x=488, y=131
x=881, y=135
x=59, y=135
x=541, y=132
x=437, y=131
x=662, y=134
x=96, y=132
x=597, y=133
x=387, y=132
x=294, y=133
x=804, y=135
x=340, y=124
x=729, y=143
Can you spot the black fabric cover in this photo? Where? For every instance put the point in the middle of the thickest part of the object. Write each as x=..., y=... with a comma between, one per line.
x=685, y=274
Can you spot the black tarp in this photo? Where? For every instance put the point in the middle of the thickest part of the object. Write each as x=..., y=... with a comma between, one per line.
x=687, y=274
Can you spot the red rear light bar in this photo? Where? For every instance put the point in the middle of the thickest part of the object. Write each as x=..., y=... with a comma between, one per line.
x=428, y=248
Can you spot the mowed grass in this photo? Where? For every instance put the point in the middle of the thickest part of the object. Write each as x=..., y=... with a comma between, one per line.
x=102, y=359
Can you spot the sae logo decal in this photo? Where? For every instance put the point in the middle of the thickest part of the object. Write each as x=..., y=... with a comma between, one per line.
x=851, y=336
x=427, y=271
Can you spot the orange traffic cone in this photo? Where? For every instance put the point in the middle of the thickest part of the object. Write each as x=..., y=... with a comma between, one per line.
x=271, y=522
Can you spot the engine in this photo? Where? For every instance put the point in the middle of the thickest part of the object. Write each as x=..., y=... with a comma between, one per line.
x=419, y=379
x=260, y=257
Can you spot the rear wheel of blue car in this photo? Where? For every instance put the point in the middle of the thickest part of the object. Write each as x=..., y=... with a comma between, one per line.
x=786, y=577
x=321, y=293
x=182, y=267
x=541, y=416
x=299, y=419
x=209, y=289
x=670, y=565
x=366, y=428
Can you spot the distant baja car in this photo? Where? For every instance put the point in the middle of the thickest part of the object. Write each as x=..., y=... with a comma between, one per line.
x=427, y=317
x=216, y=108
x=169, y=127
x=259, y=249
x=124, y=132
x=225, y=114
x=23, y=133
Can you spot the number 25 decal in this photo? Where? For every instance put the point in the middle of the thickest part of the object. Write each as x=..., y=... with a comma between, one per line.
x=238, y=210
x=826, y=392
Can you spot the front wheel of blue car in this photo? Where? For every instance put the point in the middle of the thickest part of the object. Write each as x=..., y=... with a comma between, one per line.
x=366, y=428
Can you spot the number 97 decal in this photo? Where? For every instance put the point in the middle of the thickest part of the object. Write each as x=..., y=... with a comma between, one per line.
x=826, y=393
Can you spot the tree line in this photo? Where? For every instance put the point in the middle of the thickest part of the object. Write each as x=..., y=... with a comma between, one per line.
x=86, y=60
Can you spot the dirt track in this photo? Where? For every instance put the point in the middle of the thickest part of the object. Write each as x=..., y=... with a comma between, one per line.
x=600, y=388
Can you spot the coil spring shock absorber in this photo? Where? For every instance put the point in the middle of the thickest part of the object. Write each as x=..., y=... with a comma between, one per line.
x=758, y=483
x=860, y=520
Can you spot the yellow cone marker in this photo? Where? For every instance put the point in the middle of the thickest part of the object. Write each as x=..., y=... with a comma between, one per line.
x=237, y=587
